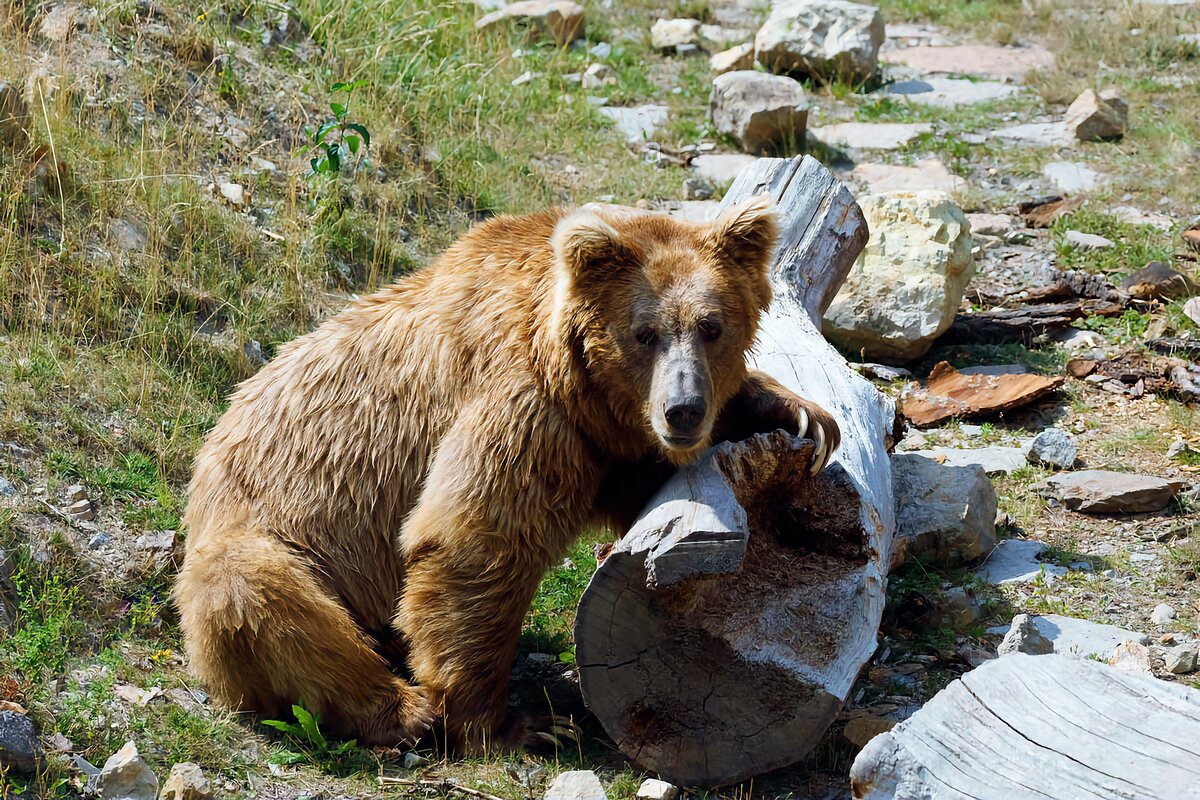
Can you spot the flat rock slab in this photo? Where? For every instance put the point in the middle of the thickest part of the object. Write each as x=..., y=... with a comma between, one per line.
x=987, y=61
x=1080, y=638
x=1040, y=727
x=951, y=92
x=1016, y=561
x=637, y=123
x=721, y=168
x=870, y=135
x=925, y=175
x=1095, y=491
x=1037, y=134
x=950, y=393
x=1071, y=177
x=994, y=460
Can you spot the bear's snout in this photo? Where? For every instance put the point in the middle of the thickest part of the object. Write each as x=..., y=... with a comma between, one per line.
x=685, y=415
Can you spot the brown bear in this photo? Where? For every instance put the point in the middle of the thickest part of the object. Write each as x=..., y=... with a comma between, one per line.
x=370, y=519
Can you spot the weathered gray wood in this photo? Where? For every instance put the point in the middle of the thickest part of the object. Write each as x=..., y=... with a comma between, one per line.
x=1040, y=727
x=722, y=634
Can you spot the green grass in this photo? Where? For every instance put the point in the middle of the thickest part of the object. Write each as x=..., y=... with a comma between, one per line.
x=1136, y=245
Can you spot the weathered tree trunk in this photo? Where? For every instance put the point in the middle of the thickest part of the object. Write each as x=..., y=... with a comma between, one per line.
x=721, y=635
x=1052, y=727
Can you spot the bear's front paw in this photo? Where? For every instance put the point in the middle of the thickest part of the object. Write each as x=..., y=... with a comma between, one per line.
x=405, y=718
x=817, y=424
x=537, y=731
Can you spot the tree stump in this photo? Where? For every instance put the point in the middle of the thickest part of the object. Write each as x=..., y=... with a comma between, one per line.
x=721, y=635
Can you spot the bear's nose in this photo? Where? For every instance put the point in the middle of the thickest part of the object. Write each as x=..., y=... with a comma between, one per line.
x=685, y=415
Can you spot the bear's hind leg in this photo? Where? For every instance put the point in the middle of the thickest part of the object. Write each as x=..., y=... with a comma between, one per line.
x=262, y=634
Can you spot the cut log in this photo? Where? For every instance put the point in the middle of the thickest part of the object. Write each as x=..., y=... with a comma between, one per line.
x=722, y=634
x=1050, y=727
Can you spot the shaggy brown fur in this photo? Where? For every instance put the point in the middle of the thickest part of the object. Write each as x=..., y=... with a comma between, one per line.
x=387, y=493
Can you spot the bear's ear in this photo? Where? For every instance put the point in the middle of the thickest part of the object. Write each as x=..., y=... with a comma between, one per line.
x=587, y=248
x=745, y=235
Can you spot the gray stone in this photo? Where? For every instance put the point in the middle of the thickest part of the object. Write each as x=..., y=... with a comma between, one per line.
x=186, y=781
x=994, y=459
x=1162, y=614
x=762, y=113
x=156, y=540
x=1080, y=637
x=720, y=169
x=654, y=789
x=870, y=135
x=962, y=607
x=822, y=38
x=559, y=21
x=1016, y=561
x=946, y=513
x=415, y=760
x=1072, y=177
x=1103, y=492
x=81, y=511
x=930, y=175
x=988, y=61
x=952, y=92
x=735, y=58
x=905, y=287
x=1181, y=659
x=1092, y=116
x=697, y=188
x=125, y=776
x=19, y=749
x=129, y=236
x=6, y=487
x=881, y=372
x=595, y=76
x=668, y=34
x=697, y=210
x=98, y=540
x=1089, y=241
x=1038, y=134
x=579, y=784
x=637, y=123
x=990, y=224
x=1053, y=447
x=1024, y=637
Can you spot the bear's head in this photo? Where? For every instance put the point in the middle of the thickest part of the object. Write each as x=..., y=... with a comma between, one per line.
x=661, y=313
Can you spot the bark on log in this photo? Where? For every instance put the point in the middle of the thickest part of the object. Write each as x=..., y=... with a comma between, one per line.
x=1041, y=727
x=722, y=634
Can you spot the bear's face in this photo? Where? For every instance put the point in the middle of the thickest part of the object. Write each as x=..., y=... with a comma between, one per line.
x=663, y=313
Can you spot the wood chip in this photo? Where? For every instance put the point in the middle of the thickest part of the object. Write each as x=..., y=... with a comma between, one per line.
x=949, y=393
x=1043, y=211
x=1191, y=237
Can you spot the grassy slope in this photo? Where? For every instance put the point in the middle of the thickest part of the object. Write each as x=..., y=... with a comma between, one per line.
x=114, y=362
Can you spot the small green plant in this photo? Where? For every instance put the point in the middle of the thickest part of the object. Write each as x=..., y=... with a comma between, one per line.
x=305, y=734
x=338, y=141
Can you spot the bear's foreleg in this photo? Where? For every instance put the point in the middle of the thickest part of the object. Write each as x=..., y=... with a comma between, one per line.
x=763, y=404
x=506, y=494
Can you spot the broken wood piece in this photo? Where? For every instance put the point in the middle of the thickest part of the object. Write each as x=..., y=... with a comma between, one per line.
x=1023, y=323
x=724, y=631
x=1191, y=238
x=1045, y=726
x=1041, y=212
x=949, y=393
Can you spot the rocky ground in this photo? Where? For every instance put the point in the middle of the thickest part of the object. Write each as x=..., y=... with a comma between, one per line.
x=164, y=234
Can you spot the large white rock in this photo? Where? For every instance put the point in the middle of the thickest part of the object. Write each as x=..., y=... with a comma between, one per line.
x=763, y=113
x=907, y=284
x=826, y=38
x=560, y=21
x=667, y=34
x=125, y=776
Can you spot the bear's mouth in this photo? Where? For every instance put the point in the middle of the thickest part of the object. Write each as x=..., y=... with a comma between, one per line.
x=682, y=442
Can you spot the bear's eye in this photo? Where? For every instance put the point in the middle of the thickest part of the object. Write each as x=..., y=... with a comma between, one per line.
x=646, y=336
x=710, y=330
